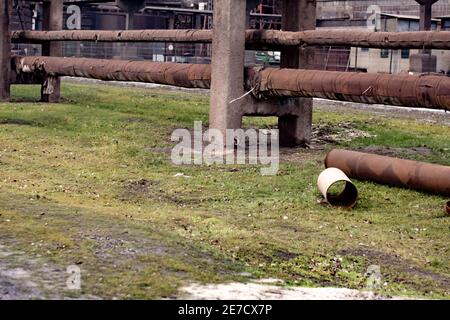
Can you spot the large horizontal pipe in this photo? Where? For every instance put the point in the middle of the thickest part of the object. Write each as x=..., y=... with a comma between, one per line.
x=425, y=91
x=403, y=90
x=391, y=171
x=196, y=36
x=363, y=38
x=174, y=74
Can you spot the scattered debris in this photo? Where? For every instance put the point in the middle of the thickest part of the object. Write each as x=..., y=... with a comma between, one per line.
x=327, y=133
x=179, y=174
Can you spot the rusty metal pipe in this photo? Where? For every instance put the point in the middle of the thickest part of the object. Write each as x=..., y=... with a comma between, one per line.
x=200, y=36
x=430, y=91
x=174, y=74
x=276, y=38
x=403, y=90
x=391, y=171
x=355, y=38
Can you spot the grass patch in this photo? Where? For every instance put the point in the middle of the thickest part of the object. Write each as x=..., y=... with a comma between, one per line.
x=82, y=182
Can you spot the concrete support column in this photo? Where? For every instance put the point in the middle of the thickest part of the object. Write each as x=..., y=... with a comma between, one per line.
x=52, y=19
x=424, y=61
x=425, y=15
x=228, y=51
x=5, y=50
x=298, y=15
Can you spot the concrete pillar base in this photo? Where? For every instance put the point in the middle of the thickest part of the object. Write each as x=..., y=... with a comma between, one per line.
x=50, y=90
x=52, y=20
x=422, y=63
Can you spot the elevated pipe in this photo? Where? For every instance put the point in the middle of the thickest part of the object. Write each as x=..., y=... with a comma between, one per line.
x=275, y=38
x=426, y=91
x=396, y=172
x=174, y=74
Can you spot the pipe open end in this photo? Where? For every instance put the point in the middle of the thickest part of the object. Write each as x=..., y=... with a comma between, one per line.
x=342, y=195
x=337, y=188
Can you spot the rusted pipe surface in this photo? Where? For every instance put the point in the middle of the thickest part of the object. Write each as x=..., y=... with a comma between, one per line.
x=114, y=36
x=404, y=90
x=391, y=171
x=175, y=74
x=355, y=38
x=427, y=91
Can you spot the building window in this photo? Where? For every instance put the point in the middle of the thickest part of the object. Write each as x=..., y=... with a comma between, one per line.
x=364, y=49
x=405, y=53
x=384, y=53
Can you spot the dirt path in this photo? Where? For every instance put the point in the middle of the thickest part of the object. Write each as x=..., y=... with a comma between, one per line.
x=268, y=291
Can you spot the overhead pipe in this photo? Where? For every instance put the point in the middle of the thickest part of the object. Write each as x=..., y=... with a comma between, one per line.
x=197, y=36
x=423, y=91
x=426, y=91
x=174, y=74
x=396, y=172
x=272, y=38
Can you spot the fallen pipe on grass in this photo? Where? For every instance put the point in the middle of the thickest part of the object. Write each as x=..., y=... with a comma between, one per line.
x=391, y=171
x=331, y=177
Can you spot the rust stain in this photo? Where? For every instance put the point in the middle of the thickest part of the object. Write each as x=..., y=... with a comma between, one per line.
x=429, y=91
x=363, y=38
x=424, y=91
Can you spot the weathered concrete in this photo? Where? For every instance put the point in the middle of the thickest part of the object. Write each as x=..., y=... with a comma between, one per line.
x=5, y=50
x=52, y=20
x=424, y=61
x=228, y=101
x=298, y=15
x=228, y=54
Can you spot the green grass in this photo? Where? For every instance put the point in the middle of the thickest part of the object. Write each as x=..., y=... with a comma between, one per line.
x=79, y=184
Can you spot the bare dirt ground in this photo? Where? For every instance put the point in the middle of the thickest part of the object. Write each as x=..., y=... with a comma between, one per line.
x=23, y=277
x=268, y=291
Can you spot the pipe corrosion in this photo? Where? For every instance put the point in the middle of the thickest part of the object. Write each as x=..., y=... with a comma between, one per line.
x=174, y=74
x=199, y=36
x=363, y=38
x=425, y=91
x=391, y=171
x=355, y=38
x=404, y=90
